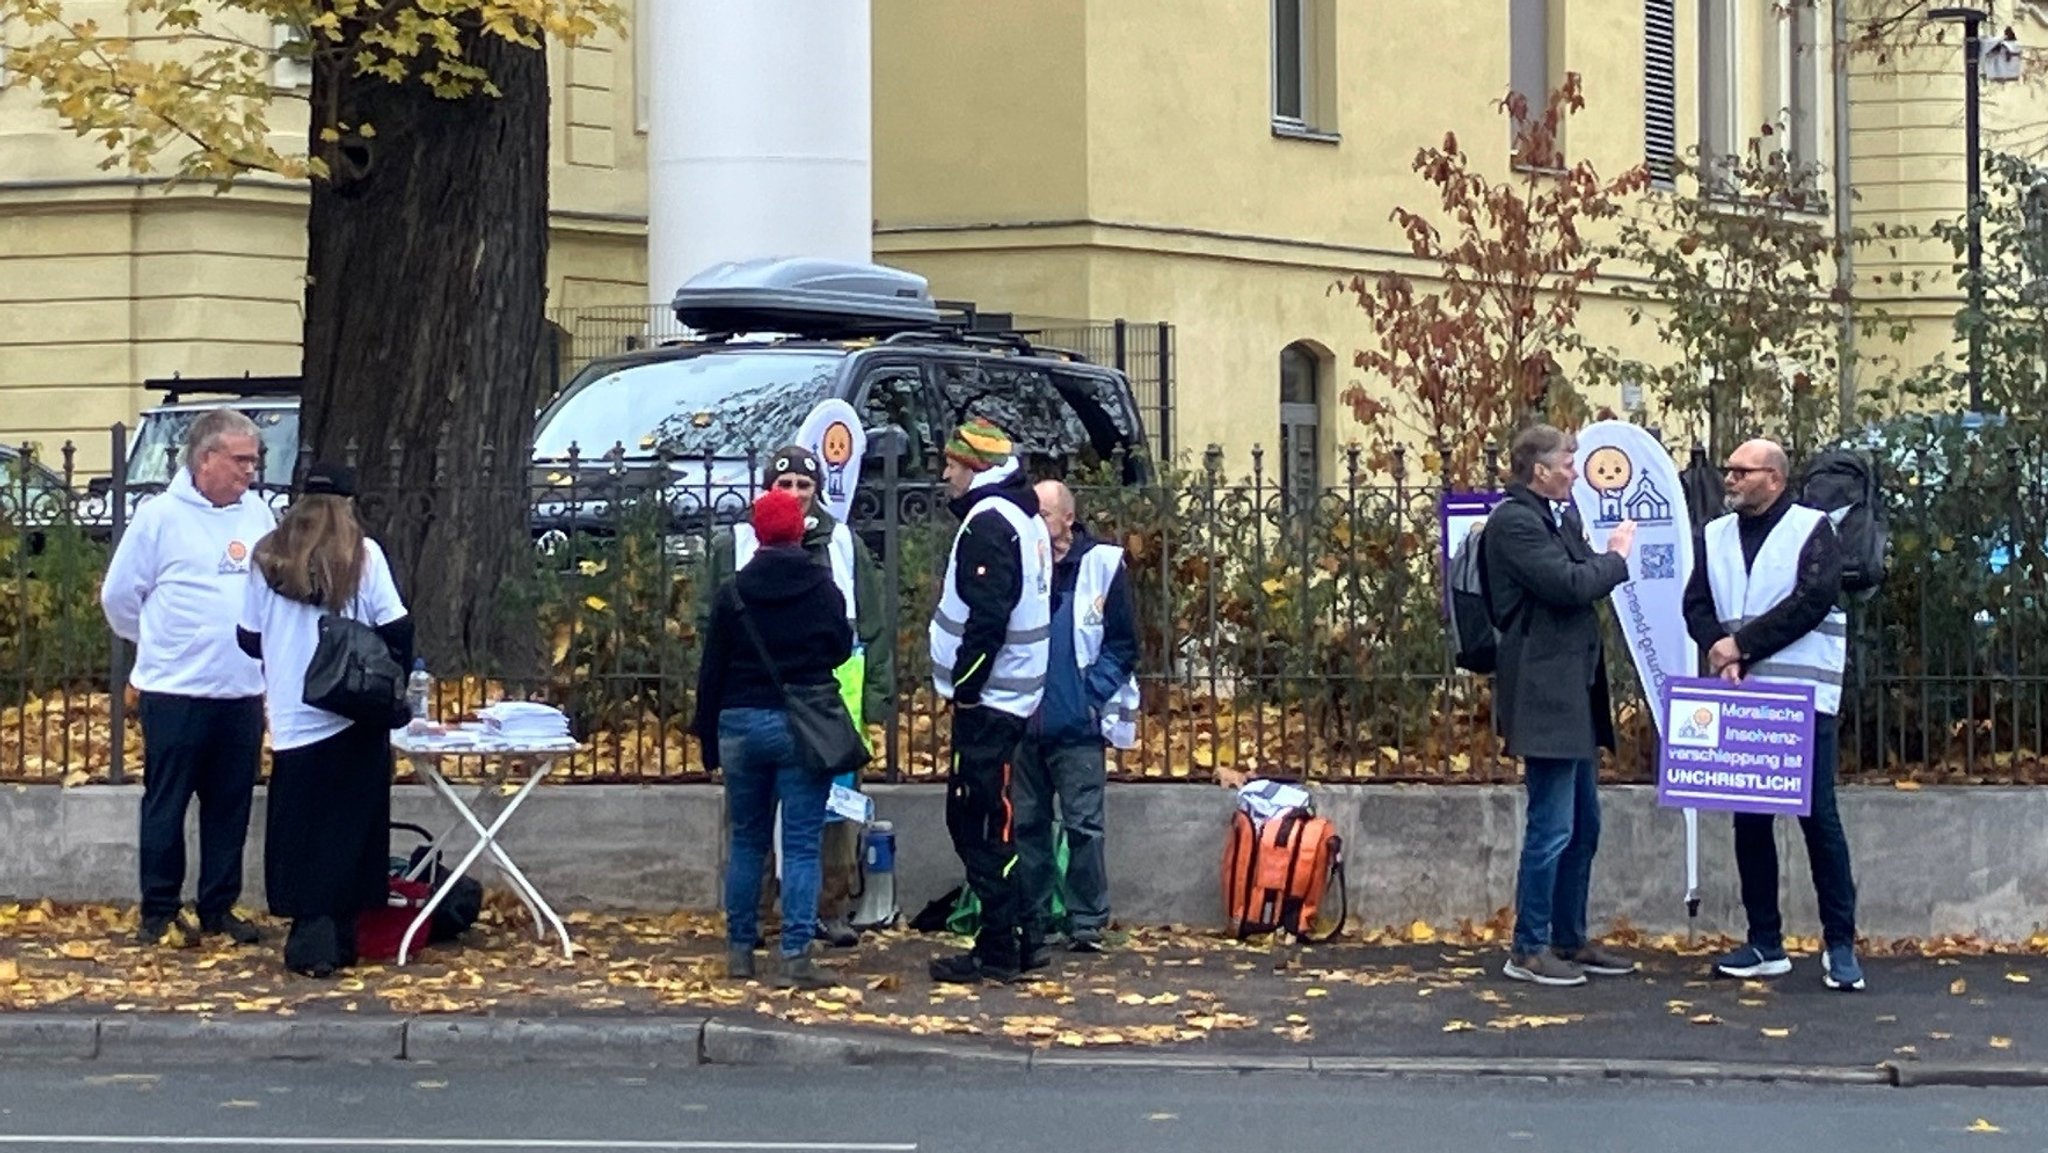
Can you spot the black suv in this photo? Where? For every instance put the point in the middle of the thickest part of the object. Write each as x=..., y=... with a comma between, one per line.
x=705, y=411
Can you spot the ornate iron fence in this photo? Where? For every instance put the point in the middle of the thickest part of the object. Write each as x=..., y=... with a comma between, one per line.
x=1279, y=636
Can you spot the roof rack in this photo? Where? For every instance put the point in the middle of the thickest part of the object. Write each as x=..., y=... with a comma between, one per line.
x=245, y=385
x=1006, y=341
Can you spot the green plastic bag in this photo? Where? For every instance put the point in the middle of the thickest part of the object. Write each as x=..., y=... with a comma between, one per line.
x=965, y=919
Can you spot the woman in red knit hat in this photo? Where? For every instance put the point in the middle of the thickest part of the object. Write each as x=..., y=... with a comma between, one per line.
x=798, y=619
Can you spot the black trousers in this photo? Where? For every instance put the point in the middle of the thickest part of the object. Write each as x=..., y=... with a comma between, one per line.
x=1827, y=850
x=209, y=749
x=980, y=818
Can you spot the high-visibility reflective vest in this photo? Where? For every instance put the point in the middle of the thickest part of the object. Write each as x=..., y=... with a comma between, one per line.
x=1092, y=581
x=1016, y=685
x=839, y=550
x=1744, y=593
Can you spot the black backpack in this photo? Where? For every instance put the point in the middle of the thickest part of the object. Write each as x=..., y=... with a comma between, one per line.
x=1704, y=493
x=1843, y=485
x=1475, y=638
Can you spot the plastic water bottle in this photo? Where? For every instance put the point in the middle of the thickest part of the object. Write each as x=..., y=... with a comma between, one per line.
x=419, y=687
x=878, y=909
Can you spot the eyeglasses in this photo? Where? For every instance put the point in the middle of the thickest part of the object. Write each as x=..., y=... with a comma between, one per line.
x=1741, y=473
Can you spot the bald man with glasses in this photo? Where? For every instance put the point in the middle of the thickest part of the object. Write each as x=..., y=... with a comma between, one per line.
x=1763, y=606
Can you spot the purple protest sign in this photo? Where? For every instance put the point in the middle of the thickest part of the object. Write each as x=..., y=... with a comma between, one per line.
x=1736, y=748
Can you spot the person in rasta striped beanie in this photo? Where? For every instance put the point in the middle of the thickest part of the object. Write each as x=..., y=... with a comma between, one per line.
x=989, y=647
x=977, y=446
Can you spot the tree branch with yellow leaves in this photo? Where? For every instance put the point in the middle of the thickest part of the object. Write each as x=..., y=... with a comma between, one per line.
x=197, y=88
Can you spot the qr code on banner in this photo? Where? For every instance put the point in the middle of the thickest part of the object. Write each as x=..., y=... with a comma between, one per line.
x=1660, y=562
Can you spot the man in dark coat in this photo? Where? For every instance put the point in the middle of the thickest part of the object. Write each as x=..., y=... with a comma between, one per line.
x=1550, y=701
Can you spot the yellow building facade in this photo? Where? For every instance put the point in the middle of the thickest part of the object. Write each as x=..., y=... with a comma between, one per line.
x=108, y=279
x=1218, y=166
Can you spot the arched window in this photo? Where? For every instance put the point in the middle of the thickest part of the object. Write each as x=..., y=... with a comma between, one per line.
x=1301, y=372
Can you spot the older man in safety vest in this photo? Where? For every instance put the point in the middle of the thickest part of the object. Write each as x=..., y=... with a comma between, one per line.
x=1762, y=606
x=1091, y=700
x=989, y=646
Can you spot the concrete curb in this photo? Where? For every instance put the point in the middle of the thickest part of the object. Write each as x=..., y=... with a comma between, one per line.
x=1581, y=1069
x=133, y=1037
x=600, y=1041
x=1922, y=1074
x=731, y=1044
x=694, y=1041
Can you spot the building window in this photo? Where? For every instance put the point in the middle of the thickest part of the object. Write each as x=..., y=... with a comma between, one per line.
x=1529, y=71
x=1719, y=110
x=1304, y=67
x=292, y=68
x=1301, y=433
x=1660, y=90
x=1799, y=50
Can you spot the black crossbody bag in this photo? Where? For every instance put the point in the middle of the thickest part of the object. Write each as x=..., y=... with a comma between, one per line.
x=826, y=740
x=353, y=674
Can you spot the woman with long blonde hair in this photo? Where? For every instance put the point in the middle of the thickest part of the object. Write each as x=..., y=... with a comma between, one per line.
x=326, y=834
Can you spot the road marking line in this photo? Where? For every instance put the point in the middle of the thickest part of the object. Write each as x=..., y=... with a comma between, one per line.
x=129, y=1141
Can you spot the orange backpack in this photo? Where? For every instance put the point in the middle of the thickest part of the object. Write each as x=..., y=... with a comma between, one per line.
x=1276, y=874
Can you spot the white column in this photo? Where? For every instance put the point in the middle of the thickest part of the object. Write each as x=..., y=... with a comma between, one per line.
x=759, y=140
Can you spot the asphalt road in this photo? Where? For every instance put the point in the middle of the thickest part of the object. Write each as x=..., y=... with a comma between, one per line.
x=404, y=1107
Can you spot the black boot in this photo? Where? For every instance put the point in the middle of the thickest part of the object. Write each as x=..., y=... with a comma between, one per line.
x=1033, y=953
x=993, y=958
x=346, y=954
x=312, y=948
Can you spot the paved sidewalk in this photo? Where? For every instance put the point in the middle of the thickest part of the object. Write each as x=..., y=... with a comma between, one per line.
x=1162, y=991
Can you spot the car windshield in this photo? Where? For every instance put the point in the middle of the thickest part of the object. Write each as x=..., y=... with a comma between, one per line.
x=29, y=487
x=14, y=475
x=716, y=403
x=160, y=443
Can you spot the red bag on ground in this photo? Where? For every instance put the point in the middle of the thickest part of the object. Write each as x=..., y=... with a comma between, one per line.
x=379, y=931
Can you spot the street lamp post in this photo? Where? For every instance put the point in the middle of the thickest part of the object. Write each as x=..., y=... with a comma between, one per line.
x=1972, y=20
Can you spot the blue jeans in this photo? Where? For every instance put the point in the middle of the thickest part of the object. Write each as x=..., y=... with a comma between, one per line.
x=1558, y=843
x=1827, y=849
x=760, y=768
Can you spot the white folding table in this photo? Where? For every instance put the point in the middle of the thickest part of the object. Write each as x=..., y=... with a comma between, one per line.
x=425, y=751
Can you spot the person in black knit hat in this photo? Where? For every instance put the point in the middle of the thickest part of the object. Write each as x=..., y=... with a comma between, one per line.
x=326, y=834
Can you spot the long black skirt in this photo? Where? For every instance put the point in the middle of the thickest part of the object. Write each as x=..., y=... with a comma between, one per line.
x=327, y=832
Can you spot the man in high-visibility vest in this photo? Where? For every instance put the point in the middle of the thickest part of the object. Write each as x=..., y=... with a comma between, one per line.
x=989, y=645
x=868, y=678
x=1763, y=605
x=1091, y=701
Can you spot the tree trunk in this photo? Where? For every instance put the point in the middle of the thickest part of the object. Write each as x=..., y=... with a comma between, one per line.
x=427, y=281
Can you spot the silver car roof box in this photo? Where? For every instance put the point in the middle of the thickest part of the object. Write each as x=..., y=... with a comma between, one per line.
x=805, y=296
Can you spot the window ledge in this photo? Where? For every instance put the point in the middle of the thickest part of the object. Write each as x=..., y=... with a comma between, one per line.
x=1291, y=130
x=1735, y=204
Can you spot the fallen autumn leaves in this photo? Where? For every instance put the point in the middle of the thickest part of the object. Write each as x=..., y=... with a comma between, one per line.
x=1158, y=987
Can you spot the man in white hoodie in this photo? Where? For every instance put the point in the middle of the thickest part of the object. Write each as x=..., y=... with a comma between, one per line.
x=175, y=590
